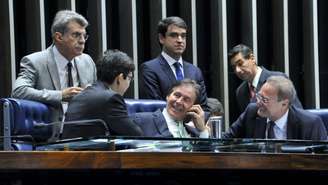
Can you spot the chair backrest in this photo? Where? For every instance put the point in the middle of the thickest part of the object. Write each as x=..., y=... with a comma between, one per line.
x=21, y=116
x=143, y=105
x=323, y=113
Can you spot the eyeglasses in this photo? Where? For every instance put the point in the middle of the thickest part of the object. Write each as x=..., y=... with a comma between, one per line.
x=176, y=35
x=78, y=35
x=262, y=98
x=130, y=77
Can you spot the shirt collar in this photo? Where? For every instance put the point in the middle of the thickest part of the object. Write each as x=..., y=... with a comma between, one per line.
x=171, y=60
x=257, y=76
x=60, y=59
x=282, y=122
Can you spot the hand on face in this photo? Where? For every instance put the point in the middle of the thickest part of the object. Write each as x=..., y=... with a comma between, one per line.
x=197, y=116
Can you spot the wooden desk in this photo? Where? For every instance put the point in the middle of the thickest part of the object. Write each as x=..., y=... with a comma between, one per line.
x=160, y=160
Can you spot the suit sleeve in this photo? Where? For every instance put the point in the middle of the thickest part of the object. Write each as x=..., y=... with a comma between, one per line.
x=24, y=87
x=319, y=131
x=149, y=84
x=117, y=118
x=237, y=129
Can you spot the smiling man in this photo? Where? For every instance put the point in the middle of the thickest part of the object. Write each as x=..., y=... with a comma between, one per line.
x=243, y=62
x=274, y=117
x=181, y=106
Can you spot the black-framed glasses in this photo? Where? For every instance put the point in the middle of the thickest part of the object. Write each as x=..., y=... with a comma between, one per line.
x=78, y=35
x=177, y=35
x=130, y=77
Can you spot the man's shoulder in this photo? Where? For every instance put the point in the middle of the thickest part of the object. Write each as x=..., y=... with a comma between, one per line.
x=272, y=73
x=152, y=62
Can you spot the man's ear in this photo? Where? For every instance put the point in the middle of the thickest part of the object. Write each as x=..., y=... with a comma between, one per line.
x=252, y=58
x=58, y=37
x=161, y=38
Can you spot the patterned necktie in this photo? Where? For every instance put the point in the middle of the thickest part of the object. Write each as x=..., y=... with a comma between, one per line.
x=178, y=71
x=69, y=75
x=270, y=132
x=251, y=91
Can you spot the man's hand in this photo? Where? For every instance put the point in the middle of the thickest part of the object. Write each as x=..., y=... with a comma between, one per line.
x=68, y=93
x=197, y=114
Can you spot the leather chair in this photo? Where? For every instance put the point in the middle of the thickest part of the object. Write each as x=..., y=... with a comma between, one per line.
x=143, y=105
x=323, y=113
x=20, y=119
x=25, y=118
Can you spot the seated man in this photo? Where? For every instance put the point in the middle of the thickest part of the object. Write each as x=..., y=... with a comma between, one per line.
x=181, y=101
x=104, y=99
x=274, y=117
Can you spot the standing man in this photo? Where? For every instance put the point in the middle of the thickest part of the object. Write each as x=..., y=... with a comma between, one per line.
x=55, y=75
x=158, y=75
x=274, y=117
x=181, y=103
x=104, y=99
x=243, y=62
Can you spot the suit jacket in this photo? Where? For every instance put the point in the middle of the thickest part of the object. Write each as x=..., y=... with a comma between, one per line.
x=153, y=124
x=243, y=95
x=38, y=79
x=156, y=78
x=301, y=124
x=98, y=102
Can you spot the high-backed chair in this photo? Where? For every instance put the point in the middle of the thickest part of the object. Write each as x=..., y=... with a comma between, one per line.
x=143, y=105
x=20, y=118
x=323, y=113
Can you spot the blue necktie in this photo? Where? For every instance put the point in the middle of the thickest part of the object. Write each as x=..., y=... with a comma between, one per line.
x=178, y=71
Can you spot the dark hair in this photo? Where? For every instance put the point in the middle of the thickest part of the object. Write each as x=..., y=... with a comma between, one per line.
x=113, y=63
x=165, y=23
x=187, y=82
x=244, y=50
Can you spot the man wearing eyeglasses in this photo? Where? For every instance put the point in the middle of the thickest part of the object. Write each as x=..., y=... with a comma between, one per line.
x=245, y=67
x=55, y=75
x=104, y=99
x=274, y=117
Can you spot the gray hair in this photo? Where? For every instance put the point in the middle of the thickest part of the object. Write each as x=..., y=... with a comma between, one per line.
x=284, y=86
x=64, y=17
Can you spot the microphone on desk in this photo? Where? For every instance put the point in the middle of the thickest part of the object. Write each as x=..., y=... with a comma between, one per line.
x=59, y=130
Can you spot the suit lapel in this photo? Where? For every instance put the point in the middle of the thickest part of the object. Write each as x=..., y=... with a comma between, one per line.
x=52, y=68
x=167, y=69
x=187, y=71
x=161, y=125
x=259, y=127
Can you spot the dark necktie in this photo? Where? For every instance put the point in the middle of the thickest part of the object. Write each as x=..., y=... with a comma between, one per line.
x=69, y=75
x=178, y=71
x=251, y=91
x=270, y=129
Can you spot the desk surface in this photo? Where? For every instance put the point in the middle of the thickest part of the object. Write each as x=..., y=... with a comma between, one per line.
x=159, y=160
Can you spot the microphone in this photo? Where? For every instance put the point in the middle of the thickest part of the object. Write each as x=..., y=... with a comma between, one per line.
x=74, y=129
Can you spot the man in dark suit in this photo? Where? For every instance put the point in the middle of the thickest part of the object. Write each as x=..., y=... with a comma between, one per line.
x=44, y=75
x=243, y=62
x=274, y=117
x=158, y=75
x=181, y=100
x=104, y=99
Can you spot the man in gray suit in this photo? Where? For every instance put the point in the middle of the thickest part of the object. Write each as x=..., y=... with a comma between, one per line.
x=55, y=75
